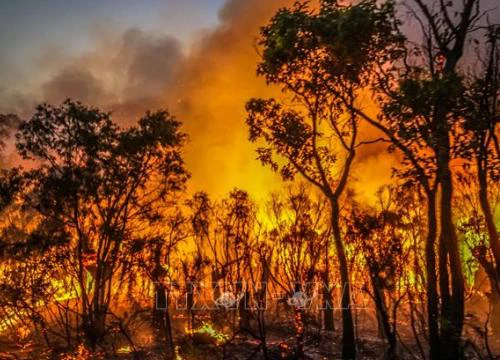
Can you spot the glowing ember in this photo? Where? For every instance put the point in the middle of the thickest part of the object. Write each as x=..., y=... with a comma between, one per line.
x=208, y=329
x=124, y=350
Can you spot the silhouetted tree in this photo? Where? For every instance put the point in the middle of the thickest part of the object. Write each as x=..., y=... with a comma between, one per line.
x=380, y=237
x=419, y=87
x=479, y=145
x=321, y=59
x=299, y=234
x=99, y=184
x=427, y=92
x=156, y=256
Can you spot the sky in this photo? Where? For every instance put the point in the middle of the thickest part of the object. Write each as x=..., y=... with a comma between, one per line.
x=196, y=58
x=24, y=23
x=30, y=28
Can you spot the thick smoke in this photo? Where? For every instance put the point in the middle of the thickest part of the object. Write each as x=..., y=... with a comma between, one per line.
x=124, y=71
x=76, y=83
x=217, y=80
x=206, y=87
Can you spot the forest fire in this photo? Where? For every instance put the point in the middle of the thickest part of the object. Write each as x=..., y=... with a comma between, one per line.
x=124, y=350
x=120, y=238
x=208, y=329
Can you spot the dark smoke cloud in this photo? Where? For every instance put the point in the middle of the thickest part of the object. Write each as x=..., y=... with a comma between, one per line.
x=122, y=70
x=131, y=71
x=151, y=62
x=75, y=83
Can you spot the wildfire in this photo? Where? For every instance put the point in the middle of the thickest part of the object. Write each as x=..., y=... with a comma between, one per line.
x=124, y=350
x=208, y=329
x=82, y=353
x=62, y=293
x=177, y=354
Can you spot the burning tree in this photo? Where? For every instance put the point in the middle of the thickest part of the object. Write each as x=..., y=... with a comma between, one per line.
x=479, y=146
x=299, y=233
x=100, y=186
x=386, y=238
x=225, y=234
x=322, y=60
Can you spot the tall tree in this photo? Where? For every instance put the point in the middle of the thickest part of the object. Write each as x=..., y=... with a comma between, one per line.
x=427, y=90
x=299, y=232
x=382, y=240
x=418, y=88
x=101, y=185
x=321, y=59
x=480, y=147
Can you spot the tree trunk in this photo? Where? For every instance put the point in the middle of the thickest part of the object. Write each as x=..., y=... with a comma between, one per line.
x=432, y=294
x=328, y=319
x=244, y=310
x=495, y=311
x=168, y=332
x=490, y=222
x=494, y=296
x=95, y=327
x=452, y=315
x=262, y=307
x=494, y=274
x=348, y=339
x=190, y=305
x=384, y=323
x=299, y=333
